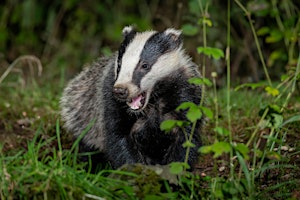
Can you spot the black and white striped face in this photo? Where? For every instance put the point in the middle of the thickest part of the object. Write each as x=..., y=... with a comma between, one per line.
x=145, y=58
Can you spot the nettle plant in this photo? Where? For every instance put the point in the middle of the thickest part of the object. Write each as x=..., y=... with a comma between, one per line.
x=244, y=170
x=194, y=113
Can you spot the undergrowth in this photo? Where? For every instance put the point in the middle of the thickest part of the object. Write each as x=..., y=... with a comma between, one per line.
x=251, y=143
x=262, y=151
x=40, y=172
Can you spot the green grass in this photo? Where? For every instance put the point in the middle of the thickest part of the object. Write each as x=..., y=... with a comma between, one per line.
x=48, y=173
x=36, y=161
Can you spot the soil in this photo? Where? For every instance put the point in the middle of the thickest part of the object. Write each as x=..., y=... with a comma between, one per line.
x=17, y=136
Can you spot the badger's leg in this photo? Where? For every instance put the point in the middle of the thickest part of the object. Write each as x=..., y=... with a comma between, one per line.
x=150, y=142
x=157, y=146
x=177, y=152
x=98, y=159
x=121, y=151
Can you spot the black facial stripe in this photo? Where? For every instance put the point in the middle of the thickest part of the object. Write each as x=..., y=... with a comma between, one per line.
x=127, y=40
x=138, y=74
x=157, y=45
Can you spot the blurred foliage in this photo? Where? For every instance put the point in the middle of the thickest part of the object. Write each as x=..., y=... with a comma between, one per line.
x=277, y=24
x=71, y=32
x=65, y=32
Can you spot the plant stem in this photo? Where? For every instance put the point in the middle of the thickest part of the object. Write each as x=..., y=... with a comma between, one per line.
x=215, y=99
x=203, y=14
x=59, y=142
x=248, y=14
x=297, y=72
x=294, y=41
x=257, y=127
x=16, y=61
x=188, y=149
x=231, y=166
x=279, y=21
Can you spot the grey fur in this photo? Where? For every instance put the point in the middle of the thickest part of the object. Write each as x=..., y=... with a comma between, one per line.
x=133, y=136
x=82, y=102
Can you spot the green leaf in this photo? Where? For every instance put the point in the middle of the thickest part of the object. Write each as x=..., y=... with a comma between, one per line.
x=277, y=120
x=284, y=77
x=189, y=30
x=200, y=81
x=168, y=125
x=251, y=85
x=295, y=118
x=193, y=114
x=275, y=36
x=205, y=149
x=263, y=31
x=274, y=116
x=220, y=147
x=258, y=153
x=185, y=105
x=208, y=22
x=178, y=167
x=222, y=131
x=211, y=52
x=273, y=108
x=245, y=169
x=188, y=144
x=207, y=82
x=275, y=55
x=272, y=91
x=273, y=155
x=243, y=149
x=207, y=112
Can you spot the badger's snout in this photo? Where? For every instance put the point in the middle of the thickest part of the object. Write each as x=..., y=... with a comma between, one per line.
x=121, y=92
x=131, y=94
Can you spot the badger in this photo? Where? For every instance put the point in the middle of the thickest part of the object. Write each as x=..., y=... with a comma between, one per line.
x=124, y=98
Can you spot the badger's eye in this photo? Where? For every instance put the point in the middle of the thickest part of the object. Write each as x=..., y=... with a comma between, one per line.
x=145, y=66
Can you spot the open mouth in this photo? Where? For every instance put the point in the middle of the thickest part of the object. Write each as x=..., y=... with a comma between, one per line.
x=137, y=102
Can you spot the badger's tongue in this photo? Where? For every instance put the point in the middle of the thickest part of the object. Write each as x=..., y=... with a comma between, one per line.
x=136, y=102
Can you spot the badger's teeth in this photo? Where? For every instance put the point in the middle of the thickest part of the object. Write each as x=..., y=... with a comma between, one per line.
x=136, y=102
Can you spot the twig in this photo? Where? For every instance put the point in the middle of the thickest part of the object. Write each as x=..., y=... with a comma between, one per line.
x=16, y=61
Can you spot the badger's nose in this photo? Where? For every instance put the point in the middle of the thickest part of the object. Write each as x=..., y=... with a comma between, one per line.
x=121, y=92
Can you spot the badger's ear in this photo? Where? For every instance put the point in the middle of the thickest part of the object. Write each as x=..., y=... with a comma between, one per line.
x=174, y=37
x=128, y=31
x=174, y=34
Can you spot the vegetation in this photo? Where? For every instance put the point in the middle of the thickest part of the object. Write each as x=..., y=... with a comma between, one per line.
x=250, y=60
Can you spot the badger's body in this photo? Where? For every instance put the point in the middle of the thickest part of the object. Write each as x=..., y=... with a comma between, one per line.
x=125, y=98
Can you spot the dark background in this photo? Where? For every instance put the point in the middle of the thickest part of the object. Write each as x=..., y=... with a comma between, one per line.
x=67, y=34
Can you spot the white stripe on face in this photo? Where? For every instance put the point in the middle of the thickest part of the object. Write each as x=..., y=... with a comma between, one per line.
x=165, y=65
x=131, y=57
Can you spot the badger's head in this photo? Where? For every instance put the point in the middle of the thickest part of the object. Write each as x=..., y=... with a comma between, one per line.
x=143, y=59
